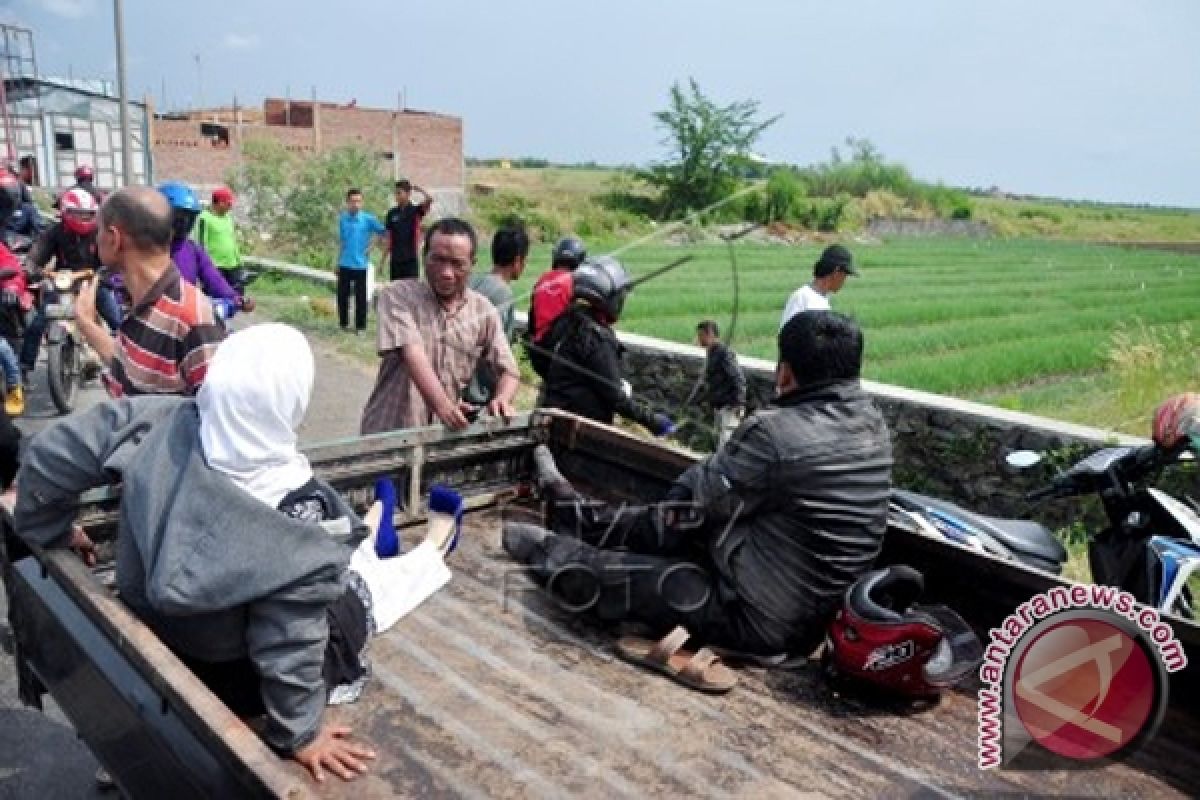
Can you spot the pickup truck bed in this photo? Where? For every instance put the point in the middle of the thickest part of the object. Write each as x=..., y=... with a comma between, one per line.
x=490, y=690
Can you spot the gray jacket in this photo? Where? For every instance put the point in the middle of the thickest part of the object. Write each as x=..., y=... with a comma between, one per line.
x=216, y=573
x=797, y=501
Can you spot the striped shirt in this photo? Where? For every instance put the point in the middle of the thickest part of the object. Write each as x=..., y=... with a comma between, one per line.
x=166, y=342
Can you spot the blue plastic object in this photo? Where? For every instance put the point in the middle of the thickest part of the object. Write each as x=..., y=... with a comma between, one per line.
x=444, y=500
x=387, y=541
x=224, y=309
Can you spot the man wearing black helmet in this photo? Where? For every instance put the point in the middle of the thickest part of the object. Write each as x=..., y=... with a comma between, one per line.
x=551, y=297
x=583, y=370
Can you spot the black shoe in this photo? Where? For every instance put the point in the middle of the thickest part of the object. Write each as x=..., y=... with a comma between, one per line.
x=550, y=481
x=523, y=541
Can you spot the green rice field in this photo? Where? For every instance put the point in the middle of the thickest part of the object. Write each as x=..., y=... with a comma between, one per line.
x=1027, y=324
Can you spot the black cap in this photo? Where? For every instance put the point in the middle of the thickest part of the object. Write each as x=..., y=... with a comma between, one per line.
x=834, y=258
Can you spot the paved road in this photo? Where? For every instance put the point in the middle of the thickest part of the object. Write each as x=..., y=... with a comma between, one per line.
x=40, y=756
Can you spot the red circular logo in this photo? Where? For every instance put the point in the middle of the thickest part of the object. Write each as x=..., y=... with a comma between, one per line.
x=1084, y=688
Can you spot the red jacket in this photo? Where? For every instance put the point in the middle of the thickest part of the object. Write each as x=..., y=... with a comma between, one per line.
x=551, y=297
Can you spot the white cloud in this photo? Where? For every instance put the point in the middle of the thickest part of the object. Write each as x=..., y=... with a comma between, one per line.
x=241, y=41
x=70, y=9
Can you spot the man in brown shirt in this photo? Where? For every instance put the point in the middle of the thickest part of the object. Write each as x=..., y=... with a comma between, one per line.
x=432, y=335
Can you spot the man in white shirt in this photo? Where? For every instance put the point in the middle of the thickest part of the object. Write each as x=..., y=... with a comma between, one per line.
x=829, y=273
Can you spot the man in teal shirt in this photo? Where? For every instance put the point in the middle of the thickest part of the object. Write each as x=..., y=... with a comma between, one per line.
x=355, y=231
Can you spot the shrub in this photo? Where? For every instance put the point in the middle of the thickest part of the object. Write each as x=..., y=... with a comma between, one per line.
x=852, y=217
x=1037, y=212
x=295, y=209
x=882, y=203
x=320, y=191
x=945, y=202
x=784, y=194
x=262, y=185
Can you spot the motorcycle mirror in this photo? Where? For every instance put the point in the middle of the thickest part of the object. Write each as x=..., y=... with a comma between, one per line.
x=1023, y=459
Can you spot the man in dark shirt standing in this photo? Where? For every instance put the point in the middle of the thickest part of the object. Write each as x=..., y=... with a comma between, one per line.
x=724, y=379
x=403, y=223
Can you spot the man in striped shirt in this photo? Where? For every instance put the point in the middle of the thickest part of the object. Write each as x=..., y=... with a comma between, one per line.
x=165, y=343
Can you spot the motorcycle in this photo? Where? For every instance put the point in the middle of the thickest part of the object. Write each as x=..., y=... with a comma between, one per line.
x=1151, y=546
x=70, y=360
x=1022, y=540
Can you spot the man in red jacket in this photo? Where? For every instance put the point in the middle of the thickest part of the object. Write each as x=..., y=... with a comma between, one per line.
x=552, y=295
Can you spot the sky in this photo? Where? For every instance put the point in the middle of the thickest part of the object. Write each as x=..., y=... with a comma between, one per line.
x=1084, y=99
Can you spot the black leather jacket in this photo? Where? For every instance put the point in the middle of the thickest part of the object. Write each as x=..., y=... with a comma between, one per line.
x=796, y=501
x=584, y=373
x=69, y=250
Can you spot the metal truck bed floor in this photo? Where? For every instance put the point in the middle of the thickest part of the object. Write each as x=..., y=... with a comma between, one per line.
x=471, y=698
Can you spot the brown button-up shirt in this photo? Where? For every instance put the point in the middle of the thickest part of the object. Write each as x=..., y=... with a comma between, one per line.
x=456, y=340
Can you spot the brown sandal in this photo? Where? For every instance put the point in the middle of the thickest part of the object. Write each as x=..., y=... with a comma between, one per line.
x=701, y=670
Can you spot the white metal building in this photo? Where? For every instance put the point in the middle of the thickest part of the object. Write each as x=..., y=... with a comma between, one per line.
x=51, y=126
x=62, y=124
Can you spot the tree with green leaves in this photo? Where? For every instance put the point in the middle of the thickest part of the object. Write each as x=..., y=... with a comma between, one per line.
x=706, y=143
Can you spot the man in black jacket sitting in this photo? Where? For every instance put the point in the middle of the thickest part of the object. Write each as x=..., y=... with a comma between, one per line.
x=756, y=544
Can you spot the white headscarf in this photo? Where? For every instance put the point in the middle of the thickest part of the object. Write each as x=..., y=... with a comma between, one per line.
x=253, y=398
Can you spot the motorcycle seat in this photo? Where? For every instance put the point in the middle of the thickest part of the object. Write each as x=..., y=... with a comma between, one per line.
x=1026, y=539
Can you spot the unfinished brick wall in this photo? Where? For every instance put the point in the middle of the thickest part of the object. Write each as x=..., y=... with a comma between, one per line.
x=427, y=147
x=181, y=153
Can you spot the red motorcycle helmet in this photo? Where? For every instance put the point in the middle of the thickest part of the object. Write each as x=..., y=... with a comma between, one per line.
x=882, y=637
x=78, y=211
x=1177, y=421
x=84, y=173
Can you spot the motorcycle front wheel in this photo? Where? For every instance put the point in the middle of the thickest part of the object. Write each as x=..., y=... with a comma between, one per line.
x=62, y=369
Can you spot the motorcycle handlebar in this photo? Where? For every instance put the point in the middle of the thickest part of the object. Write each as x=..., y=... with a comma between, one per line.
x=1131, y=467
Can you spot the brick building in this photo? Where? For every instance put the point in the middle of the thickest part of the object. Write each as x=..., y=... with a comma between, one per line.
x=202, y=146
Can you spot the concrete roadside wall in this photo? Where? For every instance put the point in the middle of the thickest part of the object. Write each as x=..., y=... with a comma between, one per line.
x=943, y=446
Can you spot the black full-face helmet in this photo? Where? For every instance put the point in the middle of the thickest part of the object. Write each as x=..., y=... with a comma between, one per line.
x=602, y=283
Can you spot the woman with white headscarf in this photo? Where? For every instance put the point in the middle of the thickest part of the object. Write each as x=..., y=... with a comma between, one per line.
x=247, y=596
